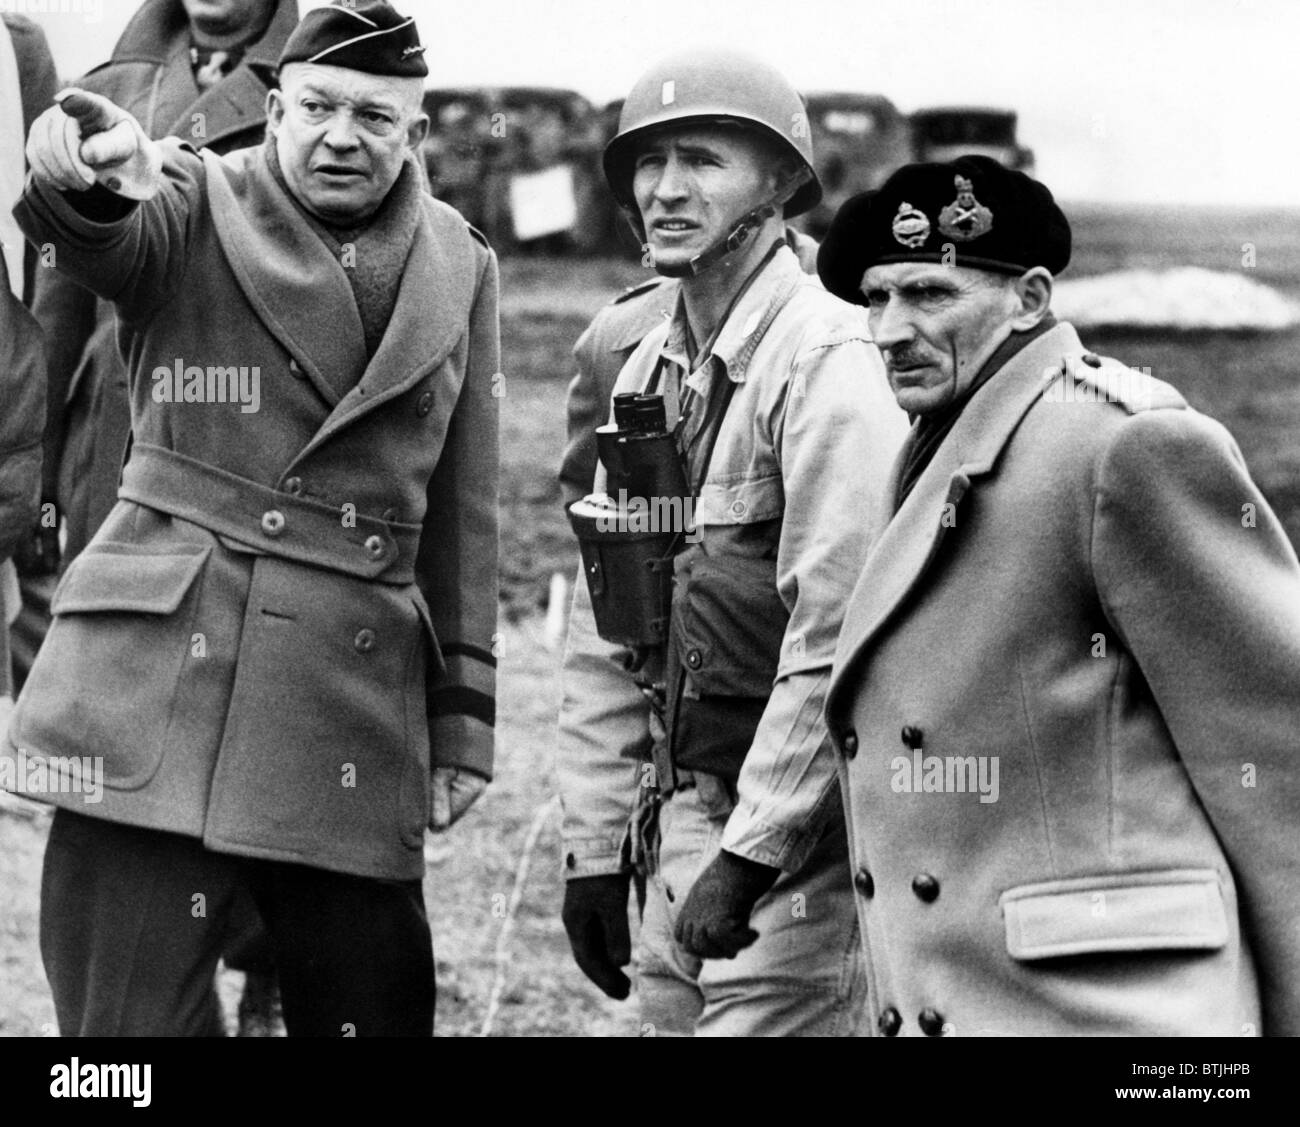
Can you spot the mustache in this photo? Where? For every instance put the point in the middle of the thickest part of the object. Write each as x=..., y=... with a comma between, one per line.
x=902, y=356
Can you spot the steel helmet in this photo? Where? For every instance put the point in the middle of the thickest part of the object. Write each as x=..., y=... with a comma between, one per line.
x=713, y=85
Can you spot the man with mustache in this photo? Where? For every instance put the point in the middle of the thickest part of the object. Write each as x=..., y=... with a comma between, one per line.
x=702, y=758
x=286, y=677
x=1066, y=689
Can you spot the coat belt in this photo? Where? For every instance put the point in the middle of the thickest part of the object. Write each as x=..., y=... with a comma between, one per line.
x=277, y=523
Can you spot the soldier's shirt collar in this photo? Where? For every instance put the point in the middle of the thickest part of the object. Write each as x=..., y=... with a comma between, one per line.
x=743, y=329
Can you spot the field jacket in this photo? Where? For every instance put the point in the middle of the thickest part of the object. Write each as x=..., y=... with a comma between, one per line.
x=808, y=437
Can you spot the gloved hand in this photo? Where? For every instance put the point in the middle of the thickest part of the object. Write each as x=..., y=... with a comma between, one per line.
x=714, y=921
x=86, y=139
x=455, y=790
x=595, y=917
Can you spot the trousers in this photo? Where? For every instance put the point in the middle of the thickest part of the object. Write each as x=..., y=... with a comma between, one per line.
x=803, y=976
x=133, y=922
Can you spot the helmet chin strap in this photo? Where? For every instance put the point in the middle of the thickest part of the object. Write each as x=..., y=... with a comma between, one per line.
x=739, y=234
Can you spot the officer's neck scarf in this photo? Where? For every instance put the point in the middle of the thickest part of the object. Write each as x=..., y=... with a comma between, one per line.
x=374, y=254
x=929, y=431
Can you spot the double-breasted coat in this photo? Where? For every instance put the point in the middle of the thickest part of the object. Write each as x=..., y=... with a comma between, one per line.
x=289, y=613
x=1067, y=692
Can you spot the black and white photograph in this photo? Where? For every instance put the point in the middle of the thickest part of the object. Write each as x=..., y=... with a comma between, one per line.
x=707, y=518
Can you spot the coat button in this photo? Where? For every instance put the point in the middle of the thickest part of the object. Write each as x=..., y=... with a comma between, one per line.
x=293, y=485
x=925, y=887
x=570, y=861
x=693, y=659
x=424, y=404
x=1092, y=359
x=912, y=736
x=295, y=370
x=889, y=1022
x=864, y=884
x=374, y=547
x=273, y=522
x=850, y=743
x=364, y=642
x=931, y=1022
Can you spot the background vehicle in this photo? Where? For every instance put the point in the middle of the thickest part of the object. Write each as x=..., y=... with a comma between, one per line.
x=858, y=140
x=521, y=163
x=943, y=133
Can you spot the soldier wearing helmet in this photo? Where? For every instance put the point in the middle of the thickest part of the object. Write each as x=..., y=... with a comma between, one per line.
x=702, y=763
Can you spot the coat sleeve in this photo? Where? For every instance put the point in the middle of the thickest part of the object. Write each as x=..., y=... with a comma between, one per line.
x=67, y=315
x=837, y=436
x=457, y=561
x=586, y=407
x=603, y=740
x=1199, y=579
x=132, y=254
x=604, y=724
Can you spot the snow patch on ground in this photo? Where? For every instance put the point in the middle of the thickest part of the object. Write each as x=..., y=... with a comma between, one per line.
x=1187, y=297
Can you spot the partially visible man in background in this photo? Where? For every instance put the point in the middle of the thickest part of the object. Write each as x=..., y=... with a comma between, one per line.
x=27, y=86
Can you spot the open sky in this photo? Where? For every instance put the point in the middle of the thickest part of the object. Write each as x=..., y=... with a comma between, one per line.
x=1193, y=101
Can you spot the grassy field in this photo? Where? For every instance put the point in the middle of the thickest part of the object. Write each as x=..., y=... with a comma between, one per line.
x=1249, y=382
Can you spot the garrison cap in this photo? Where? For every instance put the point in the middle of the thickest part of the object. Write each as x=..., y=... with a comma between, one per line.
x=368, y=35
x=969, y=212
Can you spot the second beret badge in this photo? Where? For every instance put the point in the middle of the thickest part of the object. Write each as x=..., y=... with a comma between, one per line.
x=965, y=218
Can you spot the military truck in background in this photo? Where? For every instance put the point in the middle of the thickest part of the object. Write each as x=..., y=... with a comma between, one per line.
x=521, y=163
x=858, y=140
x=943, y=133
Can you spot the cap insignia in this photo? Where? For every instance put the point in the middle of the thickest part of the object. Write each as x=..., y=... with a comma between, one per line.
x=911, y=226
x=965, y=218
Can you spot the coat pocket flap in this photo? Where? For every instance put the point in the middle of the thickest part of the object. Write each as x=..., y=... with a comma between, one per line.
x=101, y=579
x=1178, y=909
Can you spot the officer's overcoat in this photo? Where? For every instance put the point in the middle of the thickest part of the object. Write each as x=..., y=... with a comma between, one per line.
x=1094, y=598
x=249, y=640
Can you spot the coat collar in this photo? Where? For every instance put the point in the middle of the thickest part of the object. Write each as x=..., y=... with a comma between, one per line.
x=300, y=292
x=970, y=452
x=152, y=34
x=158, y=35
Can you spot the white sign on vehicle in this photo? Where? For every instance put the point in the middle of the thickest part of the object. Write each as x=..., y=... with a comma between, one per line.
x=543, y=203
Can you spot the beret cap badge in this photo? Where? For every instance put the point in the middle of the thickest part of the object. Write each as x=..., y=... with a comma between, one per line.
x=911, y=226
x=965, y=218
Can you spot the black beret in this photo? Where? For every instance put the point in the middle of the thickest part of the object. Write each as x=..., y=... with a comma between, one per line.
x=970, y=212
x=368, y=35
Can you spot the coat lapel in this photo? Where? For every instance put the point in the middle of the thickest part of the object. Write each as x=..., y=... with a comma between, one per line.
x=234, y=105
x=295, y=284
x=911, y=540
x=437, y=291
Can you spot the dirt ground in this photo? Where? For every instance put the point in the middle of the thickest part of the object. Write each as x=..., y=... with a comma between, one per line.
x=470, y=879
